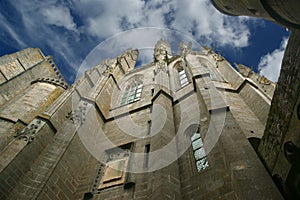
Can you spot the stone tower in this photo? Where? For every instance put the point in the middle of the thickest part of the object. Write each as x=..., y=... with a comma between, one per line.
x=280, y=146
x=184, y=126
x=284, y=12
x=30, y=82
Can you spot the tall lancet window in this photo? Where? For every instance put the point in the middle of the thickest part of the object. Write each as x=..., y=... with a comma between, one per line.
x=132, y=93
x=182, y=77
x=199, y=152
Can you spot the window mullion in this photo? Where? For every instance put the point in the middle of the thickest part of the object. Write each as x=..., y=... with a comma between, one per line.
x=199, y=152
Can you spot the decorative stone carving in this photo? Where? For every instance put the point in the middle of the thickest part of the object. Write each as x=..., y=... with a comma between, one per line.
x=99, y=175
x=161, y=56
x=207, y=50
x=218, y=57
x=78, y=116
x=185, y=49
x=52, y=81
x=70, y=116
x=110, y=65
x=29, y=132
x=263, y=80
x=113, y=172
x=245, y=71
x=162, y=51
x=160, y=67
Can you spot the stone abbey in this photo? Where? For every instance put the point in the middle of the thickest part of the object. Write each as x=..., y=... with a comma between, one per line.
x=186, y=126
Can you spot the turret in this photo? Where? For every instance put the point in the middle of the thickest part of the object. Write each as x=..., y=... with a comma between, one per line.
x=284, y=12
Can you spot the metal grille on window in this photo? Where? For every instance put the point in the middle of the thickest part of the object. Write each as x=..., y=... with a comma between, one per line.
x=132, y=93
x=199, y=152
x=182, y=77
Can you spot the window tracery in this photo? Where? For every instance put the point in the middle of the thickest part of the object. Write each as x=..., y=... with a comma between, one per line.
x=199, y=152
x=182, y=75
x=132, y=93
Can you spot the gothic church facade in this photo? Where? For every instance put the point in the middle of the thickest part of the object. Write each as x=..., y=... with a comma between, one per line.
x=184, y=126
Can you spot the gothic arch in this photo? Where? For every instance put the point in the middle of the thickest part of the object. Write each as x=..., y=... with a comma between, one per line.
x=181, y=74
x=132, y=90
x=211, y=67
x=197, y=155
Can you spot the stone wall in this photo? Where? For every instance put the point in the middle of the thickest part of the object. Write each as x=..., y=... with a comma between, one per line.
x=283, y=104
x=17, y=160
x=34, y=65
x=283, y=123
x=73, y=175
x=149, y=138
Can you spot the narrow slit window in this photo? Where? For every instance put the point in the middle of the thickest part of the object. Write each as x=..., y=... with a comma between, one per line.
x=199, y=152
x=147, y=151
x=149, y=127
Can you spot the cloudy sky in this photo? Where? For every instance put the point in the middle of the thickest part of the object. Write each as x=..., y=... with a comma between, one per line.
x=81, y=33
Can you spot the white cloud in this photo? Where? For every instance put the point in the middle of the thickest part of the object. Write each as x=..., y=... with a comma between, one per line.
x=201, y=19
x=198, y=18
x=58, y=16
x=115, y=16
x=36, y=32
x=270, y=64
x=89, y=22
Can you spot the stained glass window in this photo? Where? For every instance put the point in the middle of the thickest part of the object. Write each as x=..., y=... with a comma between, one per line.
x=199, y=152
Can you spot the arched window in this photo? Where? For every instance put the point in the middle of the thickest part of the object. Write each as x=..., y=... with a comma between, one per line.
x=132, y=93
x=199, y=152
x=182, y=76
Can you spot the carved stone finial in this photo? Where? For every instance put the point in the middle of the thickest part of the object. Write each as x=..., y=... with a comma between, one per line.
x=162, y=51
x=162, y=55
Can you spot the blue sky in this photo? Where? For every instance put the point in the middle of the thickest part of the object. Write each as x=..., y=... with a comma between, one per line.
x=81, y=33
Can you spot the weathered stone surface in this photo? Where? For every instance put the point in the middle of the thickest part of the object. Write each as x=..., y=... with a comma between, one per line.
x=91, y=146
x=283, y=124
